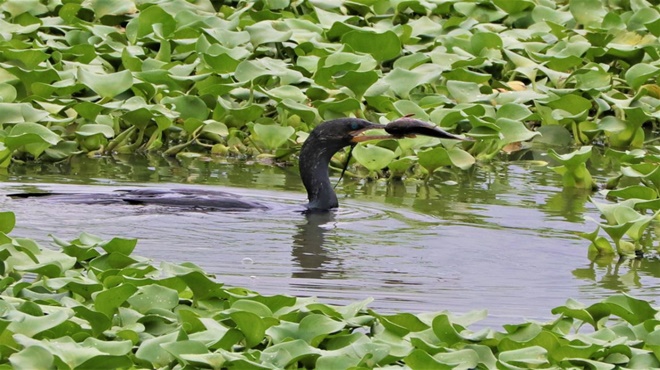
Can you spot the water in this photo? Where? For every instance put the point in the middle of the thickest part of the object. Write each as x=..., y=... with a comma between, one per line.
x=500, y=237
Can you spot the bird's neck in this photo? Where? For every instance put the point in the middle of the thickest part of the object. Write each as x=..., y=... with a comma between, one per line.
x=315, y=157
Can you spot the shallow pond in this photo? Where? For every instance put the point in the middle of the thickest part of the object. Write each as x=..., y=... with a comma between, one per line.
x=499, y=237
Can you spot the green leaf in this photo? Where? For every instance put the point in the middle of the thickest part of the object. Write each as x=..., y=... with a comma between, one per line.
x=251, y=325
x=589, y=13
x=153, y=297
x=638, y=74
x=114, y=348
x=106, y=85
x=514, y=111
x=654, y=27
x=574, y=158
x=593, y=80
x=314, y=328
x=465, y=92
x=98, y=321
x=7, y=222
x=151, y=350
x=30, y=58
x=460, y=158
x=358, y=82
x=185, y=347
x=373, y=157
x=514, y=131
x=249, y=70
x=432, y=159
x=189, y=106
x=24, y=133
x=31, y=137
x=273, y=136
x=634, y=192
x=578, y=311
x=30, y=326
x=119, y=245
x=481, y=13
x=382, y=46
x=150, y=21
x=402, y=82
x=7, y=93
x=283, y=354
x=109, y=300
x=92, y=129
x=268, y=32
x=205, y=360
x=485, y=40
x=338, y=108
x=420, y=360
x=402, y=323
x=399, y=167
x=634, y=311
x=33, y=357
x=445, y=330
x=202, y=286
x=287, y=92
x=534, y=355
x=18, y=7
x=306, y=113
x=216, y=128
x=20, y=112
x=255, y=307
x=102, y=8
x=514, y=6
x=574, y=104
x=554, y=135
x=102, y=361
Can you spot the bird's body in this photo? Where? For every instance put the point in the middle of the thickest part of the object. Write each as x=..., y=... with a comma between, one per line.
x=323, y=142
x=185, y=198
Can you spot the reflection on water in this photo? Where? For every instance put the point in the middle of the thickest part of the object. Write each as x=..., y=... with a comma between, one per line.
x=500, y=236
x=308, y=249
x=622, y=275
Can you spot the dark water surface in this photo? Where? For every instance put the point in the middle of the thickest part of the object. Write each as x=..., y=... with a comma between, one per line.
x=500, y=237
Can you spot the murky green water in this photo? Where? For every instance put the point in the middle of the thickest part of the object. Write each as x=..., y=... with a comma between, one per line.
x=499, y=237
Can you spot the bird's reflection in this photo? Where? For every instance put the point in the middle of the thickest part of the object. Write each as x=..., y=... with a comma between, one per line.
x=309, y=252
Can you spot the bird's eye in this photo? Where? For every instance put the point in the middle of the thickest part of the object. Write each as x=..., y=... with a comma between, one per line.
x=354, y=126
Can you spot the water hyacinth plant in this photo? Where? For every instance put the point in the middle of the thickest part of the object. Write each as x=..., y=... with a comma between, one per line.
x=125, y=75
x=92, y=303
x=252, y=78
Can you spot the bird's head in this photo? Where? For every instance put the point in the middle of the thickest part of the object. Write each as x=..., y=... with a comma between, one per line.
x=345, y=131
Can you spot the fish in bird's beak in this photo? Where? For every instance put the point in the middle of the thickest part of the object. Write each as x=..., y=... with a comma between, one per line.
x=404, y=127
x=358, y=135
x=409, y=127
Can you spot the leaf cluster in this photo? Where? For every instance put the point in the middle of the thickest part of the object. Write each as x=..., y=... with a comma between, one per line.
x=92, y=303
x=254, y=77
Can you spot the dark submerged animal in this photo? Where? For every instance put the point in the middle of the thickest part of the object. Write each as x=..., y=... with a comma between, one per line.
x=323, y=142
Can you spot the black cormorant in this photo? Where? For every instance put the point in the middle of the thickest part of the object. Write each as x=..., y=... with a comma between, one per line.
x=323, y=142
